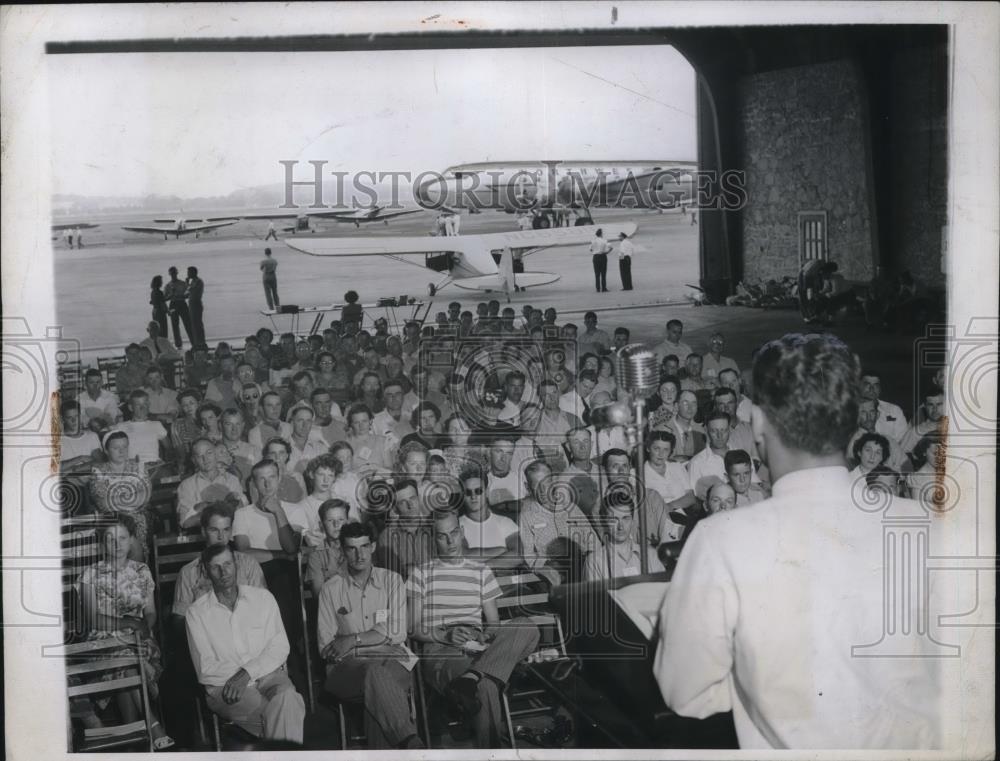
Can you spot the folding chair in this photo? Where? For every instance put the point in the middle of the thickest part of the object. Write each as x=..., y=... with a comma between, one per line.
x=109, y=368
x=170, y=554
x=85, y=659
x=306, y=597
x=81, y=548
x=522, y=600
x=356, y=739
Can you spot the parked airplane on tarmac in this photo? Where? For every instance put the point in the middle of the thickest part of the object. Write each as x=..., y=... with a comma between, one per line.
x=357, y=216
x=470, y=261
x=555, y=188
x=180, y=226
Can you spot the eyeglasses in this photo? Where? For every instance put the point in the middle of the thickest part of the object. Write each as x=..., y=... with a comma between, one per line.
x=474, y=492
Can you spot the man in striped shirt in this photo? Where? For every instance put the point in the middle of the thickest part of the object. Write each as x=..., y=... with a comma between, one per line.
x=468, y=653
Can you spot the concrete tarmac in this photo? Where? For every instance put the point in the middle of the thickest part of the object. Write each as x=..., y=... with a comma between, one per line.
x=102, y=290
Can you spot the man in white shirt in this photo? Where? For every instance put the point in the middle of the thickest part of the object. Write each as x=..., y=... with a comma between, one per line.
x=270, y=530
x=574, y=401
x=164, y=353
x=934, y=409
x=769, y=606
x=77, y=448
x=99, y=407
x=672, y=344
x=505, y=484
x=329, y=420
x=306, y=442
x=891, y=419
x=392, y=421
x=239, y=649
x=593, y=340
x=599, y=249
x=271, y=425
x=709, y=462
x=209, y=483
x=144, y=435
x=582, y=476
x=235, y=454
x=714, y=362
x=488, y=534
x=740, y=433
x=162, y=401
x=626, y=249
x=224, y=389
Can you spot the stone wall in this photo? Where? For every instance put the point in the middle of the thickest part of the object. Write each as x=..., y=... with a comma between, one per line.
x=804, y=149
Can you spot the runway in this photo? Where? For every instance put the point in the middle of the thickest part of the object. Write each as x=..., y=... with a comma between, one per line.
x=102, y=290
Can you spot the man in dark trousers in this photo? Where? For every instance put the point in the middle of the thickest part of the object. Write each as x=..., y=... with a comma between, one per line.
x=269, y=269
x=195, y=292
x=599, y=247
x=175, y=293
x=625, y=250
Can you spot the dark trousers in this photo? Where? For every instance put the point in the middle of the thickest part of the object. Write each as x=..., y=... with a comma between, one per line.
x=197, y=322
x=178, y=314
x=625, y=270
x=601, y=272
x=271, y=234
x=385, y=686
x=282, y=581
x=271, y=293
x=160, y=316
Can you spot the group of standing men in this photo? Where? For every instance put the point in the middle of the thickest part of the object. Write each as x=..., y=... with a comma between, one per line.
x=600, y=248
x=182, y=301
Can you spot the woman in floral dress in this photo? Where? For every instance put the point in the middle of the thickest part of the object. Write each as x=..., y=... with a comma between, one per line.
x=121, y=486
x=117, y=598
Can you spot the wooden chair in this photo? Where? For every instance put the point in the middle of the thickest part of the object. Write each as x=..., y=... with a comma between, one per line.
x=306, y=598
x=170, y=554
x=85, y=659
x=81, y=548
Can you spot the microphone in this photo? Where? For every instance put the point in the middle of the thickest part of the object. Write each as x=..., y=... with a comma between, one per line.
x=638, y=370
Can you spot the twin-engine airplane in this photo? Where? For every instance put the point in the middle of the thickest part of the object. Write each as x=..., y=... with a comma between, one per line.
x=488, y=262
x=553, y=188
x=180, y=226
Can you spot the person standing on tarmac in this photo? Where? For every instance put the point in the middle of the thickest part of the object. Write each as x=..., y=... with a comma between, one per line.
x=599, y=248
x=625, y=250
x=269, y=269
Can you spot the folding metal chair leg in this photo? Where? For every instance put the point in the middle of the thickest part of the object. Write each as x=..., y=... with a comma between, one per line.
x=216, y=732
x=344, y=739
x=422, y=700
x=510, y=721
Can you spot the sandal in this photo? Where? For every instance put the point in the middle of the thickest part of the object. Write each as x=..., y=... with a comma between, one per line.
x=163, y=743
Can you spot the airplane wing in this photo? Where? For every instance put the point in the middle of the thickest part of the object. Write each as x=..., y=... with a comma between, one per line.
x=395, y=246
x=462, y=244
x=175, y=231
x=352, y=216
x=208, y=226
x=81, y=226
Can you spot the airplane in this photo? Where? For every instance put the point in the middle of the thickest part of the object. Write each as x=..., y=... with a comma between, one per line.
x=557, y=188
x=357, y=216
x=77, y=226
x=180, y=226
x=471, y=261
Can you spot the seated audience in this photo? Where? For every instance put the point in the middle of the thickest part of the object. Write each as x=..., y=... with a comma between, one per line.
x=120, y=486
x=118, y=601
x=235, y=454
x=162, y=401
x=305, y=442
x=185, y=428
x=209, y=483
x=714, y=362
x=871, y=453
x=239, y=648
x=739, y=475
x=407, y=540
x=709, y=461
x=620, y=554
x=99, y=406
x=891, y=421
x=145, y=436
x=555, y=534
x=328, y=560
x=933, y=409
x=487, y=534
x=79, y=449
x=270, y=424
x=468, y=653
x=689, y=434
x=361, y=634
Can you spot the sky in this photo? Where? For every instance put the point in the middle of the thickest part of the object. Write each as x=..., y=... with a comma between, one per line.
x=196, y=124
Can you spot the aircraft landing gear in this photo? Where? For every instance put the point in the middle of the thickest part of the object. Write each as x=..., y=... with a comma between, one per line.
x=541, y=223
x=431, y=290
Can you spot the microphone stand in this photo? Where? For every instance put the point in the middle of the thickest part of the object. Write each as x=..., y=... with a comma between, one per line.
x=640, y=477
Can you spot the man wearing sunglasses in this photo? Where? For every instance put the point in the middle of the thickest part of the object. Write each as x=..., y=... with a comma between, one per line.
x=487, y=534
